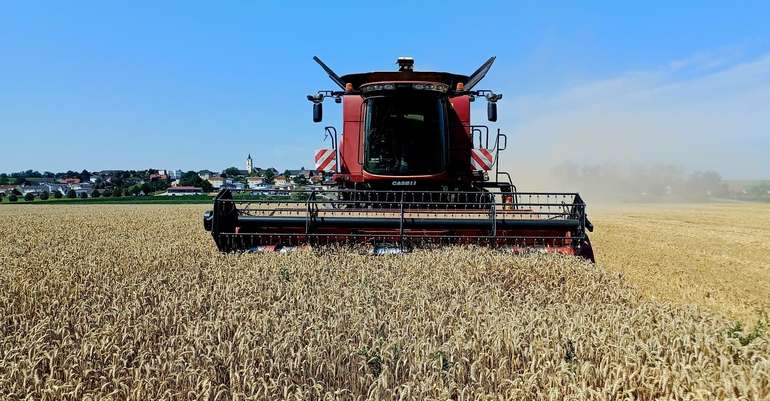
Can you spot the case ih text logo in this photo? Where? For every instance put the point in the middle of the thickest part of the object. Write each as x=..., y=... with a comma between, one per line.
x=404, y=183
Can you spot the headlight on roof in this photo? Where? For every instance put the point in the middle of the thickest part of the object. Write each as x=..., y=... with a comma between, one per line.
x=437, y=87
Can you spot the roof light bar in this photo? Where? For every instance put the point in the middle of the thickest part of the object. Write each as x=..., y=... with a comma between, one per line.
x=436, y=87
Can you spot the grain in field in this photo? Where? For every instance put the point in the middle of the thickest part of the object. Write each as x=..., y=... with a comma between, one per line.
x=716, y=256
x=133, y=302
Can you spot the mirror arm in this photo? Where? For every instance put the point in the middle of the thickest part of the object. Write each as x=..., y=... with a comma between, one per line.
x=491, y=97
x=319, y=97
x=488, y=94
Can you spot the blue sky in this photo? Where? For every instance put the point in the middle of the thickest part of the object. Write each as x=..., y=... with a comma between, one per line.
x=103, y=85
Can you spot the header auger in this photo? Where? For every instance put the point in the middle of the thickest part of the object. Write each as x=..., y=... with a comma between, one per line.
x=409, y=170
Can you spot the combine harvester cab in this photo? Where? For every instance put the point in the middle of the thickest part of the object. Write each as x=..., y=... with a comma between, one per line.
x=410, y=170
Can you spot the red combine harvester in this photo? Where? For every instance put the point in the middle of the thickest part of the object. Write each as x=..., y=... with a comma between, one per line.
x=409, y=170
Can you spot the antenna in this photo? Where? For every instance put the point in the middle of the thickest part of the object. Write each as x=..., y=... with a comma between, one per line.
x=332, y=74
x=479, y=74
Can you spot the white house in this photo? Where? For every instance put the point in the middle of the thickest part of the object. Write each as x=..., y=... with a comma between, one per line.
x=206, y=175
x=83, y=186
x=230, y=184
x=175, y=174
x=33, y=189
x=216, y=181
x=255, y=182
x=60, y=188
x=7, y=189
x=261, y=187
x=183, y=191
x=219, y=182
x=281, y=180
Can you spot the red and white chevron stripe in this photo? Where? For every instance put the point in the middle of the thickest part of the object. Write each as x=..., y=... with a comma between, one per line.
x=482, y=159
x=325, y=160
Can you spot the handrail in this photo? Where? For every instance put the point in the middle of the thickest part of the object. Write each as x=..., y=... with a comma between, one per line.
x=331, y=132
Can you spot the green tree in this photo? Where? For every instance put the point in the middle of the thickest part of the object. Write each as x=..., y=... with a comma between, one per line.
x=146, y=188
x=44, y=195
x=13, y=198
x=269, y=176
x=117, y=192
x=106, y=193
x=25, y=174
x=192, y=179
x=72, y=194
x=29, y=197
x=57, y=194
x=189, y=178
x=16, y=192
x=2, y=196
x=231, y=172
x=95, y=194
x=83, y=195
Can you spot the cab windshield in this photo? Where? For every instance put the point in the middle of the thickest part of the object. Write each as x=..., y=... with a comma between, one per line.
x=405, y=134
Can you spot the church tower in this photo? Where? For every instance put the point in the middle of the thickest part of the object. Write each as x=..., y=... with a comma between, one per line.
x=249, y=165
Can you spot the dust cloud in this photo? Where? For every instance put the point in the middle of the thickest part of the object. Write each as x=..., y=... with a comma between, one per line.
x=653, y=135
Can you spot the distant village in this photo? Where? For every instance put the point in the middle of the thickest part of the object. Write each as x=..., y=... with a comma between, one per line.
x=653, y=183
x=31, y=185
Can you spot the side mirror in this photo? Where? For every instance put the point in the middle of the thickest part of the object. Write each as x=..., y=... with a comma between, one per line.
x=318, y=112
x=491, y=111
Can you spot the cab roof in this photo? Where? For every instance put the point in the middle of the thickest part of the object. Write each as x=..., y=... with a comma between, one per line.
x=358, y=79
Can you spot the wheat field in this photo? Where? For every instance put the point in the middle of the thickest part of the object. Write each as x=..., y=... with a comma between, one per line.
x=134, y=303
x=716, y=256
